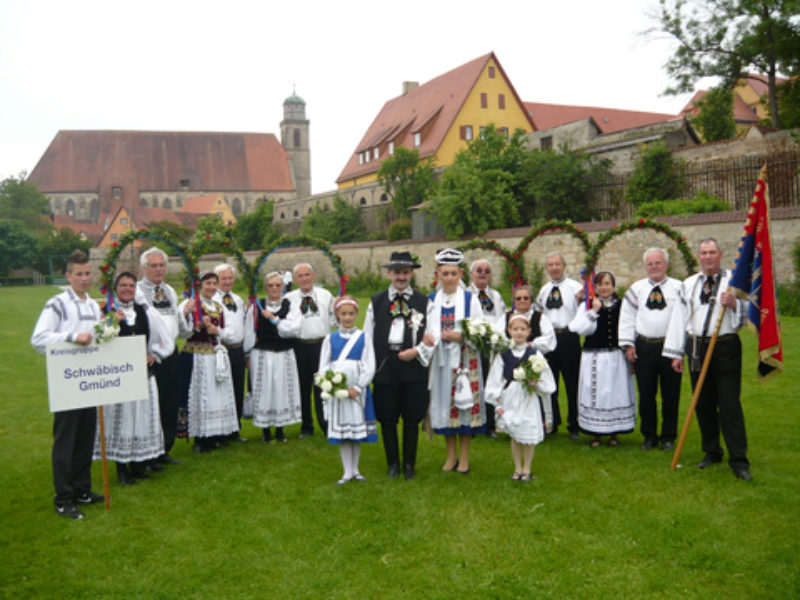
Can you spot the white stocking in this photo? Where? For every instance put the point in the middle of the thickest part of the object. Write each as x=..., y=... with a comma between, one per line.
x=344, y=451
x=356, y=453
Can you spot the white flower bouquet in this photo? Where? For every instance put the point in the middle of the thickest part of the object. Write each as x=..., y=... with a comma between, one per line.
x=482, y=336
x=332, y=383
x=529, y=371
x=106, y=329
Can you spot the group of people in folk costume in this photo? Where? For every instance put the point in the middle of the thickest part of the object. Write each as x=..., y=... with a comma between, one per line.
x=410, y=360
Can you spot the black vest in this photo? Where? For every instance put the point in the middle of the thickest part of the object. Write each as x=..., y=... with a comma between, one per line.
x=511, y=362
x=267, y=337
x=390, y=369
x=142, y=325
x=536, y=331
x=605, y=336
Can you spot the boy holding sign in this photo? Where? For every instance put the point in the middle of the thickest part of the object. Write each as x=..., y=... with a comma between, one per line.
x=71, y=317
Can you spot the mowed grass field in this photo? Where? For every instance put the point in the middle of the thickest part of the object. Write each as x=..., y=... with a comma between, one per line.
x=265, y=521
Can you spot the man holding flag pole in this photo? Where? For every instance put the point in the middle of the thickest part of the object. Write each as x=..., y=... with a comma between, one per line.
x=753, y=278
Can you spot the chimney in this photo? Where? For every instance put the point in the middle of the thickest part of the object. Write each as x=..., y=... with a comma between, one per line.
x=409, y=85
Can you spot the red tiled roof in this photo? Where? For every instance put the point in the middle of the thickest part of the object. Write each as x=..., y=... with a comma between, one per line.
x=203, y=205
x=608, y=120
x=760, y=83
x=435, y=103
x=742, y=113
x=158, y=161
x=93, y=231
x=141, y=216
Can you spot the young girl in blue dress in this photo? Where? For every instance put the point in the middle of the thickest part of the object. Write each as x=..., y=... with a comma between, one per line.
x=351, y=420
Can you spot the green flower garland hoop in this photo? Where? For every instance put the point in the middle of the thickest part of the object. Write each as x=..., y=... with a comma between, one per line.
x=224, y=243
x=517, y=275
x=108, y=268
x=251, y=271
x=593, y=253
x=553, y=225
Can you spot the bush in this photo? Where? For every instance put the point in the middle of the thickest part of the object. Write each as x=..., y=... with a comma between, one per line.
x=703, y=202
x=789, y=294
x=366, y=283
x=399, y=230
x=656, y=176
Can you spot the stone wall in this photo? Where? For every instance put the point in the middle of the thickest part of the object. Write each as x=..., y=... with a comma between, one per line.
x=623, y=255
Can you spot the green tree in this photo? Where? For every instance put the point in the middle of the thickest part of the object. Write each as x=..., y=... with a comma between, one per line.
x=725, y=38
x=23, y=202
x=715, y=120
x=256, y=230
x=342, y=223
x=407, y=179
x=559, y=184
x=656, y=176
x=789, y=103
x=17, y=247
x=57, y=245
x=473, y=200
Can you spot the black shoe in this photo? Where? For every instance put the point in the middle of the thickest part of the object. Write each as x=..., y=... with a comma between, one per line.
x=667, y=445
x=648, y=445
x=743, y=473
x=69, y=510
x=708, y=460
x=266, y=436
x=126, y=478
x=166, y=459
x=304, y=434
x=408, y=472
x=153, y=467
x=138, y=471
x=279, y=436
x=394, y=470
x=492, y=435
x=574, y=435
x=89, y=498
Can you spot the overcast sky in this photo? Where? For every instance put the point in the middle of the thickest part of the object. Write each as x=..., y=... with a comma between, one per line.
x=227, y=66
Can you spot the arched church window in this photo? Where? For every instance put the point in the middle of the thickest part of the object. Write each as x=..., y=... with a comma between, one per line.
x=363, y=201
x=70, y=208
x=166, y=203
x=236, y=207
x=296, y=138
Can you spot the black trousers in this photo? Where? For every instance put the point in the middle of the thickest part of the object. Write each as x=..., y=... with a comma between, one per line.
x=490, y=426
x=236, y=356
x=307, y=356
x=73, y=444
x=566, y=360
x=653, y=369
x=719, y=406
x=406, y=399
x=169, y=390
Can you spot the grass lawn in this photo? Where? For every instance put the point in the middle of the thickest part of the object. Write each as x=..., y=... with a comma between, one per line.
x=266, y=521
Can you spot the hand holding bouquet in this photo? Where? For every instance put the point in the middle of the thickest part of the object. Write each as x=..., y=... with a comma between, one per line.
x=332, y=383
x=106, y=329
x=529, y=371
x=482, y=335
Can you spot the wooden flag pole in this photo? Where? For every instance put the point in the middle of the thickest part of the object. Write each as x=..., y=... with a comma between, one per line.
x=698, y=388
x=102, y=420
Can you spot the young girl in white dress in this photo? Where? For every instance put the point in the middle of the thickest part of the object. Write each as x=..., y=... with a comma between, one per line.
x=606, y=396
x=519, y=412
x=351, y=420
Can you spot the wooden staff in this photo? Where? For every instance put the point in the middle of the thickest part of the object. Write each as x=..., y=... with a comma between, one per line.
x=698, y=387
x=103, y=454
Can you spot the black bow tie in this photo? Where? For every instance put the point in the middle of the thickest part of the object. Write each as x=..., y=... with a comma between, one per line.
x=486, y=301
x=405, y=294
x=308, y=304
x=709, y=290
x=229, y=302
x=655, y=300
x=554, y=299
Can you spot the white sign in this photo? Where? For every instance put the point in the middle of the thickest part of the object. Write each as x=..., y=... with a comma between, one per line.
x=107, y=373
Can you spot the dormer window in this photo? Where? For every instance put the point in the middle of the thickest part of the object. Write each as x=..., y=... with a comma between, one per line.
x=116, y=192
x=366, y=156
x=375, y=153
x=361, y=158
x=391, y=147
x=184, y=183
x=417, y=139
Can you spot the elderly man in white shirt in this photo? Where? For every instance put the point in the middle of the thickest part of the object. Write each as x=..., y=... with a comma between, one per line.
x=494, y=311
x=558, y=300
x=153, y=290
x=645, y=314
x=690, y=329
x=316, y=306
x=232, y=337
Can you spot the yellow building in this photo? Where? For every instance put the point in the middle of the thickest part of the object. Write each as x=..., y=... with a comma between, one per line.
x=438, y=118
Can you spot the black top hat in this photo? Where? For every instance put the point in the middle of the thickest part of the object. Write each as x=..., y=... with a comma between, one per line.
x=402, y=260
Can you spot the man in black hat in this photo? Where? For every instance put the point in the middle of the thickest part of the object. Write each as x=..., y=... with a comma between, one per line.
x=396, y=322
